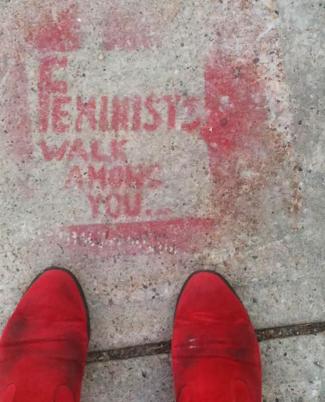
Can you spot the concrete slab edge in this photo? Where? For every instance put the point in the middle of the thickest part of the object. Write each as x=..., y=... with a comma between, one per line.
x=150, y=349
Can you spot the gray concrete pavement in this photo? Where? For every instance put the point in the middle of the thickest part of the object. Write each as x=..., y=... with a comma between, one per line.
x=293, y=371
x=142, y=140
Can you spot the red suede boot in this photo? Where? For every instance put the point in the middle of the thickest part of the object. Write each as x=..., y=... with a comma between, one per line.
x=215, y=352
x=44, y=346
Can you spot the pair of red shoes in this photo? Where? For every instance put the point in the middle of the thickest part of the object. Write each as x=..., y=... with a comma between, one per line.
x=44, y=346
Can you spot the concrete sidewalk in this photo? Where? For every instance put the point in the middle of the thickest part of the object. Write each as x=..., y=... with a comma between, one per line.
x=143, y=140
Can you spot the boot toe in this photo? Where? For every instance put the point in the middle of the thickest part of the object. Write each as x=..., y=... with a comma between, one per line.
x=43, y=347
x=214, y=347
x=53, y=304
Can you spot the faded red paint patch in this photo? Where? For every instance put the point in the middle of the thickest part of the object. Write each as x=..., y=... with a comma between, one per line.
x=185, y=234
x=61, y=34
x=127, y=30
x=240, y=150
x=234, y=104
x=16, y=112
x=244, y=153
x=235, y=116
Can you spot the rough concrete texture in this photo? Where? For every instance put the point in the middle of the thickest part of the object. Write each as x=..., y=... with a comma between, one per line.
x=142, y=140
x=293, y=371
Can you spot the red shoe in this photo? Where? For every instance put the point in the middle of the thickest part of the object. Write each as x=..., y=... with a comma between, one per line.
x=44, y=346
x=215, y=352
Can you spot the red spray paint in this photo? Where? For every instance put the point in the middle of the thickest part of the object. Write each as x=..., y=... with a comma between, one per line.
x=60, y=35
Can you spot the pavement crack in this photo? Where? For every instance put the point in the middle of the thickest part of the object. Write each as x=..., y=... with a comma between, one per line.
x=152, y=349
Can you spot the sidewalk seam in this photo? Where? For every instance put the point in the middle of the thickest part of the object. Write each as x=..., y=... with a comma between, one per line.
x=152, y=349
